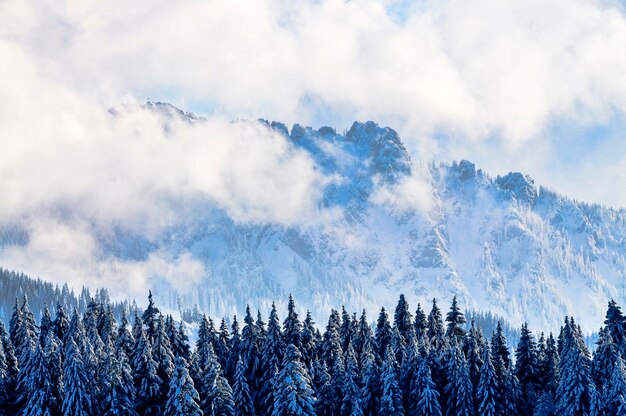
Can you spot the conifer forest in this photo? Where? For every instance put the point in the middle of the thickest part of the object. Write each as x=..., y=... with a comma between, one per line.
x=421, y=363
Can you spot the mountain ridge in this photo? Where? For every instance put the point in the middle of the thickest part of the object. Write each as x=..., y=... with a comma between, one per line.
x=429, y=230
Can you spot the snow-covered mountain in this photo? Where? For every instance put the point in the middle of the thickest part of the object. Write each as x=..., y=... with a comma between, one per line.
x=399, y=225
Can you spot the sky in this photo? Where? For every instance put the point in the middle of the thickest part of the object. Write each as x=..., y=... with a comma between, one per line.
x=537, y=86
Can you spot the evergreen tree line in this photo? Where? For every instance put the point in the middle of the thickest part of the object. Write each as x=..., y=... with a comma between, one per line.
x=413, y=364
x=41, y=293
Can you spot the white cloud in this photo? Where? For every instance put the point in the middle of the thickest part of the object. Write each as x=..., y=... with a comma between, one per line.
x=412, y=193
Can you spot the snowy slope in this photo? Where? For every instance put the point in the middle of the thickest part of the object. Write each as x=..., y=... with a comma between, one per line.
x=501, y=244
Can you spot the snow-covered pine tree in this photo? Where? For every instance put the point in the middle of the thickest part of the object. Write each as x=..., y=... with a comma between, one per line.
x=420, y=322
x=77, y=399
x=251, y=341
x=215, y=392
x=499, y=348
x=147, y=382
x=235, y=349
x=10, y=372
x=324, y=392
x=163, y=356
x=150, y=319
x=182, y=398
x=350, y=404
x=527, y=372
x=331, y=345
x=424, y=395
x=61, y=323
x=383, y=335
x=38, y=397
x=221, y=345
x=616, y=325
x=125, y=339
x=455, y=322
x=574, y=391
x=292, y=325
x=241, y=392
x=293, y=394
x=271, y=356
x=434, y=329
x=391, y=398
x=308, y=339
x=371, y=389
x=402, y=318
x=604, y=359
x=487, y=390
x=346, y=329
x=474, y=351
x=363, y=337
x=459, y=391
x=119, y=390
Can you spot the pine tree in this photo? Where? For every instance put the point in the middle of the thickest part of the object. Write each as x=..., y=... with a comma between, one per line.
x=402, y=318
x=487, y=390
x=371, y=389
x=292, y=325
x=309, y=342
x=271, y=357
x=8, y=384
x=324, y=392
x=434, y=328
x=350, y=404
x=120, y=389
x=424, y=395
x=163, y=356
x=150, y=319
x=616, y=325
x=383, y=335
x=499, y=347
x=420, y=322
x=527, y=371
x=574, y=391
x=459, y=389
x=293, y=394
x=241, y=392
x=77, y=399
x=125, y=339
x=391, y=399
x=251, y=354
x=61, y=323
x=147, y=381
x=182, y=396
x=216, y=396
x=455, y=320
x=38, y=395
x=331, y=345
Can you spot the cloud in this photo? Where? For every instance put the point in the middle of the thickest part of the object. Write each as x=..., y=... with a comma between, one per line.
x=450, y=76
x=412, y=193
x=476, y=67
x=64, y=252
x=72, y=173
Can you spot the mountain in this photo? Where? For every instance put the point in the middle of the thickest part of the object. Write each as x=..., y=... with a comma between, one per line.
x=501, y=244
